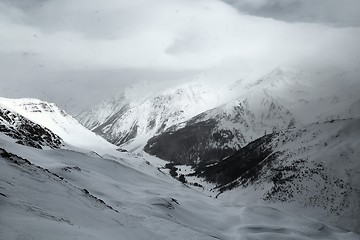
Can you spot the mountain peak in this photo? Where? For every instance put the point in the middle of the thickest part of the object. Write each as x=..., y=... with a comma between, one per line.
x=31, y=105
x=279, y=76
x=283, y=70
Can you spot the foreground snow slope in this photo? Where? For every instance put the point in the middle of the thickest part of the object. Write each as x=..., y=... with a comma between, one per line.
x=62, y=194
x=58, y=121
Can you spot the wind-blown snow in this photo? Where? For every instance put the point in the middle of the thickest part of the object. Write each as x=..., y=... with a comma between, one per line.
x=312, y=96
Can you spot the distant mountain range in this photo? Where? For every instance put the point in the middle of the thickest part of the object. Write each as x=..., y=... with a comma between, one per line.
x=289, y=140
x=224, y=119
x=286, y=135
x=130, y=124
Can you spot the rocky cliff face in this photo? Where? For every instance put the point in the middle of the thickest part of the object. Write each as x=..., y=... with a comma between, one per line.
x=55, y=120
x=26, y=132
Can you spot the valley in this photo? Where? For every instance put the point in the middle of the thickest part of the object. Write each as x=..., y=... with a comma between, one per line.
x=241, y=167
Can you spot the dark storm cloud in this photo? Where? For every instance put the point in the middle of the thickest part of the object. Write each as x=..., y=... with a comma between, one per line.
x=335, y=12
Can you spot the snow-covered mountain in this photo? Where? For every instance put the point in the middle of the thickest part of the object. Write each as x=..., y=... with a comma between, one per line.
x=313, y=167
x=58, y=121
x=99, y=114
x=312, y=96
x=303, y=96
x=282, y=99
x=62, y=194
x=292, y=138
x=130, y=124
x=219, y=132
x=288, y=141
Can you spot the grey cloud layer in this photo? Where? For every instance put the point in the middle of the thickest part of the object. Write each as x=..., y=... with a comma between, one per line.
x=335, y=12
x=54, y=43
x=164, y=34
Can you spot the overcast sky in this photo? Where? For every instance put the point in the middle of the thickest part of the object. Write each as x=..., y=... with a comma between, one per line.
x=77, y=52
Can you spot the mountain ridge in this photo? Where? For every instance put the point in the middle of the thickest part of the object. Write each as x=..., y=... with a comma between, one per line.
x=309, y=96
x=132, y=124
x=57, y=121
x=71, y=193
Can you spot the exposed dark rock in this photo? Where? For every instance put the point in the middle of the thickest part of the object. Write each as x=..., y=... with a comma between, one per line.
x=182, y=178
x=27, y=132
x=189, y=145
x=122, y=150
x=68, y=169
x=244, y=165
x=175, y=201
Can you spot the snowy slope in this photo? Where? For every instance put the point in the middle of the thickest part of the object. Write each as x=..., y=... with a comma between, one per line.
x=59, y=122
x=71, y=193
x=313, y=167
x=312, y=96
x=292, y=116
x=99, y=114
x=61, y=194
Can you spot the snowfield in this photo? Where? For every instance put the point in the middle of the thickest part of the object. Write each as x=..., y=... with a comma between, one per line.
x=76, y=185
x=63, y=194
